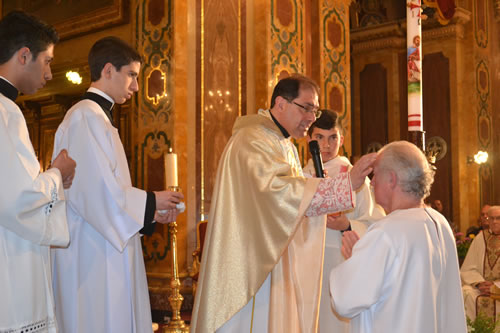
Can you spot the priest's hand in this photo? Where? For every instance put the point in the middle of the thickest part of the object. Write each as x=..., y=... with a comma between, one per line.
x=484, y=287
x=337, y=222
x=66, y=166
x=168, y=217
x=167, y=199
x=361, y=169
x=348, y=240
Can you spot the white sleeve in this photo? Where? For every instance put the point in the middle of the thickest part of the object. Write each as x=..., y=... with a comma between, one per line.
x=31, y=207
x=366, y=210
x=358, y=283
x=114, y=210
x=472, y=268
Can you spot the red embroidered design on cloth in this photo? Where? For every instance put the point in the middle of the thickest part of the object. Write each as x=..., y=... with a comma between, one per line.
x=332, y=195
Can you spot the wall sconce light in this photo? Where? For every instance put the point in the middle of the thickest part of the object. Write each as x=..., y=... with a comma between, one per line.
x=480, y=158
x=74, y=77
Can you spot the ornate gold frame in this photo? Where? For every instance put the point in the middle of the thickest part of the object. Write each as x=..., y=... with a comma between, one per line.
x=117, y=13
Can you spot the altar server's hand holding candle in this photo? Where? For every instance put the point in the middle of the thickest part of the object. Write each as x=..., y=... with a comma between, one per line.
x=167, y=199
x=167, y=217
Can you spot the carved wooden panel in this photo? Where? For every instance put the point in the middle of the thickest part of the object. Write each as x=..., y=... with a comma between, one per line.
x=437, y=119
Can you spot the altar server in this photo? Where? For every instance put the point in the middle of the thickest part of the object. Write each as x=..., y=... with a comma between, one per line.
x=327, y=130
x=32, y=205
x=100, y=280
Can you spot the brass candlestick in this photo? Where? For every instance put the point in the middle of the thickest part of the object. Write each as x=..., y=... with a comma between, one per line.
x=176, y=324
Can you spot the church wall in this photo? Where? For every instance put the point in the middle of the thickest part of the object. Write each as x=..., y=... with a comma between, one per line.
x=495, y=97
x=449, y=53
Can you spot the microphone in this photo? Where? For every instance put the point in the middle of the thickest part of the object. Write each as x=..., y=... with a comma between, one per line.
x=316, y=158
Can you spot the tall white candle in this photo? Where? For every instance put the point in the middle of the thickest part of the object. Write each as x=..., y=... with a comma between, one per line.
x=171, y=169
x=414, y=64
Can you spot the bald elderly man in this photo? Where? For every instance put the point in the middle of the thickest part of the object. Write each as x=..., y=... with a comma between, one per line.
x=403, y=275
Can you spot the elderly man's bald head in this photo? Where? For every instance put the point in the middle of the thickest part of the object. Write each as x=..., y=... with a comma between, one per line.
x=414, y=174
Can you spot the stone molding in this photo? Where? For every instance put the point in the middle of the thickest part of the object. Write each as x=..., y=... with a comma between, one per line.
x=393, y=34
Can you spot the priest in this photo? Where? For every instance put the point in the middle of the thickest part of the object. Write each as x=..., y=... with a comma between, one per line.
x=100, y=280
x=263, y=255
x=481, y=269
x=402, y=275
x=32, y=205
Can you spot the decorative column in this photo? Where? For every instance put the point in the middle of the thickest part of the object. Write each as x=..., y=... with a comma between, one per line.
x=335, y=65
x=483, y=96
x=159, y=121
x=287, y=49
x=414, y=71
x=220, y=86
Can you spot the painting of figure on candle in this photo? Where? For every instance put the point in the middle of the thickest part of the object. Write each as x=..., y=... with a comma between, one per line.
x=413, y=57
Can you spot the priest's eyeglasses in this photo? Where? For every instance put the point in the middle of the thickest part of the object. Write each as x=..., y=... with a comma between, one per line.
x=308, y=109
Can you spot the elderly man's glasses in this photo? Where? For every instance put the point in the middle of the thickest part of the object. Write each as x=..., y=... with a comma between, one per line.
x=308, y=109
x=493, y=218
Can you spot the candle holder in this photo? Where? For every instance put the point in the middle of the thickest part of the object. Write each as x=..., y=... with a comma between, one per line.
x=176, y=324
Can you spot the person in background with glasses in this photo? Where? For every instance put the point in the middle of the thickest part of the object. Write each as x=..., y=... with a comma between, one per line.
x=481, y=269
x=482, y=222
x=262, y=259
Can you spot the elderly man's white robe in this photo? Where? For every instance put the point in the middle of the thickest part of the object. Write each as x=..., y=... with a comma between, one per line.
x=402, y=276
x=360, y=217
x=32, y=218
x=100, y=280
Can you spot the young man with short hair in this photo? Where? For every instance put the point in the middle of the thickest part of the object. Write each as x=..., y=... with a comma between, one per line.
x=327, y=130
x=100, y=280
x=32, y=205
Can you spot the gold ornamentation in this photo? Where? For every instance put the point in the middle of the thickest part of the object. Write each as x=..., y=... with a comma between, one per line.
x=176, y=325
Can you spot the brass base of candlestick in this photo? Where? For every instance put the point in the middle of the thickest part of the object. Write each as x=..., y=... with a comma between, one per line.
x=418, y=138
x=176, y=325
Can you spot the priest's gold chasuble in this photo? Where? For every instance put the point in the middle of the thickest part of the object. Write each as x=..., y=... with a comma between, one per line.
x=257, y=227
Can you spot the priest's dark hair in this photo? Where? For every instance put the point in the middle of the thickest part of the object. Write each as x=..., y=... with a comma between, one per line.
x=19, y=29
x=289, y=87
x=328, y=120
x=111, y=50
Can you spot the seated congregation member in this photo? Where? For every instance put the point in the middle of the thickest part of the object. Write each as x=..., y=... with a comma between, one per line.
x=402, y=275
x=482, y=222
x=481, y=268
x=327, y=131
x=100, y=280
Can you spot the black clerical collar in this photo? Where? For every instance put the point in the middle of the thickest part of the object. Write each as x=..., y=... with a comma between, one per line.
x=8, y=90
x=103, y=102
x=282, y=129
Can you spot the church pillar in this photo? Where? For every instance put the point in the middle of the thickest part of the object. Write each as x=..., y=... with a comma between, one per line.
x=160, y=119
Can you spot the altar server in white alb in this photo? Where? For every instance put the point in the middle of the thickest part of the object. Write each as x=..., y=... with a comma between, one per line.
x=100, y=280
x=328, y=132
x=402, y=275
x=32, y=206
